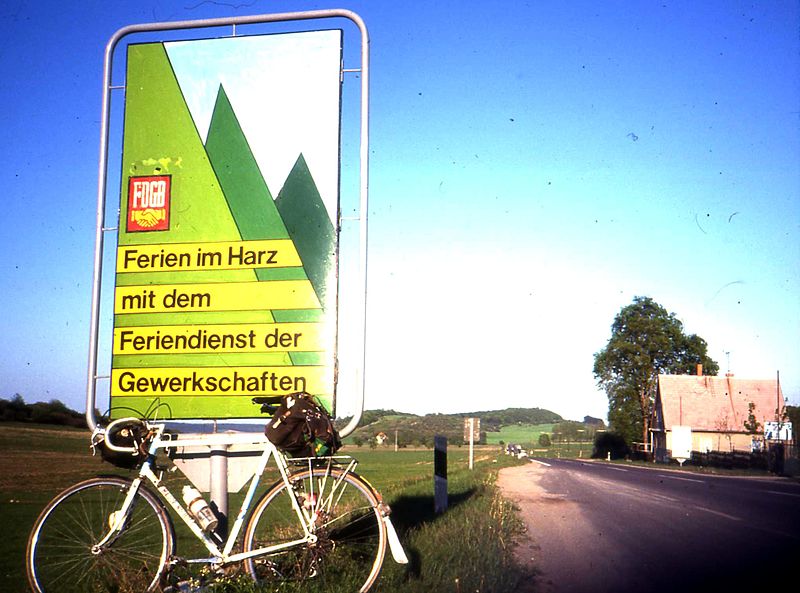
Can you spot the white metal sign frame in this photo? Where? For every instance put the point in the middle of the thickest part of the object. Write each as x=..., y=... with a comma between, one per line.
x=102, y=186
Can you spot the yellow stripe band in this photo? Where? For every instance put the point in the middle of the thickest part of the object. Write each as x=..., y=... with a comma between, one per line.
x=222, y=255
x=232, y=296
x=228, y=338
x=220, y=381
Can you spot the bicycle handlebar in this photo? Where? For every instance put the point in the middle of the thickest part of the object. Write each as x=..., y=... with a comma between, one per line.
x=266, y=406
x=109, y=430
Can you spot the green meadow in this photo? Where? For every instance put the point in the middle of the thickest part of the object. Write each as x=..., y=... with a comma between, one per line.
x=520, y=434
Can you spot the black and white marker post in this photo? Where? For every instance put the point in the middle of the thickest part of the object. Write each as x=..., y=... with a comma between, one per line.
x=440, y=474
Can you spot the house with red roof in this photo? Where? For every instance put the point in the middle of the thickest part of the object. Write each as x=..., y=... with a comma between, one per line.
x=715, y=408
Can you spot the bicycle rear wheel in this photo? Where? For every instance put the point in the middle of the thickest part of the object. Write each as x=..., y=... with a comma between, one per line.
x=342, y=511
x=61, y=555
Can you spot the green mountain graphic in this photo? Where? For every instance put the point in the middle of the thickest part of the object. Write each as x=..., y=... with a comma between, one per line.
x=307, y=220
x=258, y=217
x=298, y=212
x=248, y=195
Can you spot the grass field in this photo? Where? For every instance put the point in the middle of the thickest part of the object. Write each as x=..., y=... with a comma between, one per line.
x=465, y=549
x=520, y=434
x=527, y=436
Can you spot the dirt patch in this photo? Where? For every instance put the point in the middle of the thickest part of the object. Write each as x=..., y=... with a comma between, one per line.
x=37, y=471
x=58, y=432
x=553, y=525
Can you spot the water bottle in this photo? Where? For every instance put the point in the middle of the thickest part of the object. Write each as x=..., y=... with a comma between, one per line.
x=199, y=508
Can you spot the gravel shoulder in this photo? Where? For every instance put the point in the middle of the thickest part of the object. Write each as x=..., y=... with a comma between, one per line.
x=554, y=526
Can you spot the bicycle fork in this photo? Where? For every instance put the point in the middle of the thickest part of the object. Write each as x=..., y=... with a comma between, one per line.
x=118, y=518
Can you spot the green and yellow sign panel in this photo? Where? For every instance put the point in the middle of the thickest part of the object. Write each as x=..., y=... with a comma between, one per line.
x=227, y=251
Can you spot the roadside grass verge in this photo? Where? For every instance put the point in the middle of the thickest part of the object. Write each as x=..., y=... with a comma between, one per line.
x=467, y=548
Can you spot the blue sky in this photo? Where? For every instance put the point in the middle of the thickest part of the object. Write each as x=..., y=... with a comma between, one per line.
x=534, y=166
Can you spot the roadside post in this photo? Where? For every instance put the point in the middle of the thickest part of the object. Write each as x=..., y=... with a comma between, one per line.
x=472, y=433
x=471, y=443
x=440, y=474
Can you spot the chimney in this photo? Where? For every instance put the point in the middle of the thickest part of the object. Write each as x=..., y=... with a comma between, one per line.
x=699, y=370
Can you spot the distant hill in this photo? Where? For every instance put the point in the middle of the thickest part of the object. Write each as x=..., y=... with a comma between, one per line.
x=418, y=430
x=493, y=420
x=411, y=429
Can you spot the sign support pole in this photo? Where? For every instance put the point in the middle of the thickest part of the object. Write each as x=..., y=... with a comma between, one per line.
x=219, y=486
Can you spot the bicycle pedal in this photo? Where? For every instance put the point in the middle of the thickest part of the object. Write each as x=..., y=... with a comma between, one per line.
x=182, y=587
x=177, y=561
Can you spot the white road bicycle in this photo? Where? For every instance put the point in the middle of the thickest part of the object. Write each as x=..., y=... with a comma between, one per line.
x=320, y=526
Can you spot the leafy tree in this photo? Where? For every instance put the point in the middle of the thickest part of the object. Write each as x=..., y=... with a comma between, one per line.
x=609, y=442
x=544, y=440
x=15, y=409
x=645, y=341
x=52, y=412
x=752, y=425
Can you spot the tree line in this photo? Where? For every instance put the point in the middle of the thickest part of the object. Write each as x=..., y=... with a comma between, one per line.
x=52, y=412
x=414, y=430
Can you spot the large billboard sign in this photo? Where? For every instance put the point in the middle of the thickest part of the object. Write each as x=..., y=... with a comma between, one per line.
x=225, y=284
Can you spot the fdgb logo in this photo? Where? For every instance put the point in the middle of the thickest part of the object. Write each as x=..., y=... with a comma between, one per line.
x=148, y=203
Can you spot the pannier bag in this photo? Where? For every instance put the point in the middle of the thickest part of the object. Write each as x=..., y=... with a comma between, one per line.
x=303, y=428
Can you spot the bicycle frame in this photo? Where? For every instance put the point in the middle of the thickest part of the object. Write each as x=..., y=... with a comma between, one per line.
x=164, y=441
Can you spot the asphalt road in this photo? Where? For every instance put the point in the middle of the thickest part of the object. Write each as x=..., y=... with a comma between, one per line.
x=602, y=527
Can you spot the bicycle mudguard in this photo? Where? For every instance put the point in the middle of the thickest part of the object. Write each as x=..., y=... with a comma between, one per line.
x=398, y=553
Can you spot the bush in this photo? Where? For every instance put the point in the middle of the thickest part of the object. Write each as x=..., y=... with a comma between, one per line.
x=609, y=442
x=544, y=440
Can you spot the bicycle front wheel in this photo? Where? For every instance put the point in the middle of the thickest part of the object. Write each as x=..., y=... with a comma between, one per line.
x=63, y=556
x=343, y=514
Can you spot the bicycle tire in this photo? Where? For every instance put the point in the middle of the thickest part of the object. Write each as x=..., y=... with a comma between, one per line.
x=59, y=557
x=351, y=544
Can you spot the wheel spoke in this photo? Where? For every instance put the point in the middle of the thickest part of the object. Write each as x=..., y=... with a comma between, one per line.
x=341, y=512
x=60, y=550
